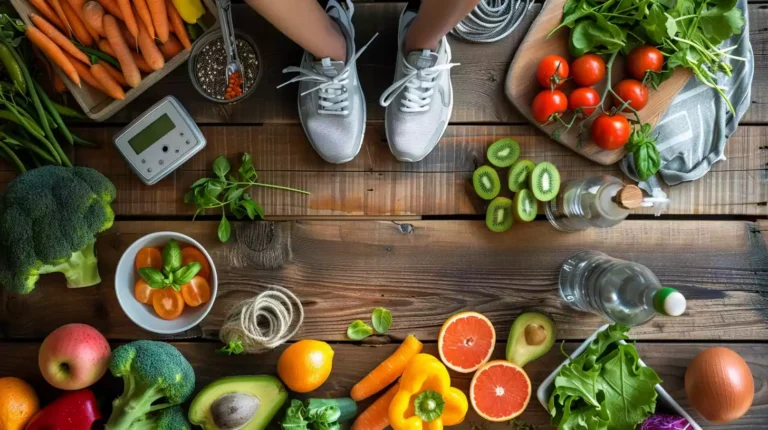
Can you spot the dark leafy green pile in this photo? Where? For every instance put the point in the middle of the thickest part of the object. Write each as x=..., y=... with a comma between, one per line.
x=605, y=387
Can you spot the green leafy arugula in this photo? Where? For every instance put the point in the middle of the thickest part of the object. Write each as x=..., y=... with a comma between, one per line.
x=605, y=387
x=301, y=417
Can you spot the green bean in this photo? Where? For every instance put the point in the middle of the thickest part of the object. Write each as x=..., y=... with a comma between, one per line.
x=82, y=142
x=98, y=54
x=13, y=158
x=29, y=126
x=32, y=147
x=68, y=111
x=13, y=68
x=7, y=115
x=56, y=118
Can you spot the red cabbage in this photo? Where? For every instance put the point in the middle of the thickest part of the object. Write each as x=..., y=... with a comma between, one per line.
x=665, y=422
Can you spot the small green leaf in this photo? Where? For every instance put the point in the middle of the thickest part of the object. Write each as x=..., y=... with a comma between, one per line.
x=252, y=209
x=224, y=228
x=233, y=347
x=171, y=256
x=246, y=168
x=200, y=182
x=429, y=405
x=153, y=277
x=185, y=274
x=382, y=320
x=359, y=330
x=326, y=414
x=221, y=167
x=213, y=188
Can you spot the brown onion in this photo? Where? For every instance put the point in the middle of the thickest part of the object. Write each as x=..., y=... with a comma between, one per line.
x=719, y=385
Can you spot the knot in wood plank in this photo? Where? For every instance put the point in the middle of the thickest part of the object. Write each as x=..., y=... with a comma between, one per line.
x=261, y=245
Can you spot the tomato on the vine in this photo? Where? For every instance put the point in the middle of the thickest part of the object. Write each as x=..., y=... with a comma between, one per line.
x=547, y=103
x=588, y=70
x=552, y=71
x=610, y=131
x=643, y=59
x=632, y=91
x=586, y=99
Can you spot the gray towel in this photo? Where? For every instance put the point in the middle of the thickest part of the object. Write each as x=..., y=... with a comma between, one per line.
x=695, y=128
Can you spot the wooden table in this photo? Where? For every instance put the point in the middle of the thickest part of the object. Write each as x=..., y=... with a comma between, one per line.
x=410, y=237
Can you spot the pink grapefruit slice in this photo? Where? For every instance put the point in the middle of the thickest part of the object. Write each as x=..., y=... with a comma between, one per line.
x=466, y=341
x=500, y=391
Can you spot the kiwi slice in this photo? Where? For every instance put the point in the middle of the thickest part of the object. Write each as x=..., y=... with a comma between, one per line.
x=545, y=181
x=518, y=175
x=503, y=153
x=486, y=182
x=525, y=206
x=499, y=216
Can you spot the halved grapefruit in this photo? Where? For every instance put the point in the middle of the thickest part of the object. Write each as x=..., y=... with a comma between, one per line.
x=500, y=391
x=466, y=341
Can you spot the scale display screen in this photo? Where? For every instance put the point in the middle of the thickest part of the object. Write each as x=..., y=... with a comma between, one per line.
x=151, y=134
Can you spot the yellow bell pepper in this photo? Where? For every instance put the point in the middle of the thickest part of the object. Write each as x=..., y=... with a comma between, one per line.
x=190, y=10
x=425, y=389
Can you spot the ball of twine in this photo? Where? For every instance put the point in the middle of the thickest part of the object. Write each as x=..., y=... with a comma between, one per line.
x=263, y=322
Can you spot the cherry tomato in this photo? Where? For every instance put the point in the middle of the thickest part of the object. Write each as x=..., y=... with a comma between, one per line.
x=168, y=303
x=610, y=132
x=190, y=254
x=642, y=59
x=196, y=292
x=143, y=292
x=149, y=257
x=585, y=98
x=588, y=70
x=548, y=103
x=552, y=71
x=632, y=91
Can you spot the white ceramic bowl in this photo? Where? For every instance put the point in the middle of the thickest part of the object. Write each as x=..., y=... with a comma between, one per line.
x=665, y=400
x=143, y=315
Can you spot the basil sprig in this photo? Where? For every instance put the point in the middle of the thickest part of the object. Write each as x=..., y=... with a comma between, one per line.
x=173, y=274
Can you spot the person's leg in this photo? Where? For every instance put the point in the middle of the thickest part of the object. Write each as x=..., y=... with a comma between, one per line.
x=306, y=23
x=434, y=20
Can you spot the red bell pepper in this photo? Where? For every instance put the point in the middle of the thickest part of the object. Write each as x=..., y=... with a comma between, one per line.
x=75, y=410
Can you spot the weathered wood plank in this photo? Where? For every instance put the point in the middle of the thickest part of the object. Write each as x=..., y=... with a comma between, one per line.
x=428, y=270
x=668, y=359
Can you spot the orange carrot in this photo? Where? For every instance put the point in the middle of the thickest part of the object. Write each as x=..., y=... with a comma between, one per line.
x=53, y=52
x=76, y=24
x=129, y=39
x=149, y=50
x=376, y=417
x=389, y=370
x=105, y=47
x=159, y=18
x=116, y=74
x=129, y=19
x=55, y=35
x=58, y=83
x=48, y=13
x=93, y=13
x=107, y=82
x=122, y=53
x=112, y=7
x=85, y=73
x=56, y=5
x=171, y=47
x=142, y=11
x=77, y=6
x=178, y=24
x=141, y=63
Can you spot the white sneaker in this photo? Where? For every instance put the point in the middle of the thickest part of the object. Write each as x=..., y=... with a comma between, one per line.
x=420, y=101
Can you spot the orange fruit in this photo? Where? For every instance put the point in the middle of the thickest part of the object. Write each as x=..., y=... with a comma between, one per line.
x=190, y=254
x=18, y=403
x=168, y=303
x=500, y=391
x=143, y=292
x=149, y=257
x=466, y=341
x=305, y=365
x=196, y=292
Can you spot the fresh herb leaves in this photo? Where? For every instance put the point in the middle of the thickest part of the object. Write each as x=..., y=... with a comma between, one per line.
x=381, y=319
x=173, y=274
x=644, y=151
x=358, y=330
x=234, y=347
x=229, y=191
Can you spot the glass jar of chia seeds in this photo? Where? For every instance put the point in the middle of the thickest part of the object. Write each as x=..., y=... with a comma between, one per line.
x=208, y=62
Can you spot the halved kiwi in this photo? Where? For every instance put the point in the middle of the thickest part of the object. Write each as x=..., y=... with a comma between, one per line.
x=499, y=216
x=525, y=206
x=503, y=153
x=486, y=182
x=545, y=181
x=518, y=175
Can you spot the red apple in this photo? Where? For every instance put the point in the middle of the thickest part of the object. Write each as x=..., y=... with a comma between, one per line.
x=74, y=356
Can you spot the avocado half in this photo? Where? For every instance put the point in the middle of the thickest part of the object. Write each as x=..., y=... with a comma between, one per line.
x=267, y=389
x=532, y=335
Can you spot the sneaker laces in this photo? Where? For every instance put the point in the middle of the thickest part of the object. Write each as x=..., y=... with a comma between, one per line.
x=418, y=85
x=334, y=97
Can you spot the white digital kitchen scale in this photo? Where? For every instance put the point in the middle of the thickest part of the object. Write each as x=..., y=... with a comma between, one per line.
x=160, y=140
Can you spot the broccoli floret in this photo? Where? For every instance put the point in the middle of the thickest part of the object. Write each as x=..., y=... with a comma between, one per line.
x=49, y=219
x=172, y=418
x=152, y=371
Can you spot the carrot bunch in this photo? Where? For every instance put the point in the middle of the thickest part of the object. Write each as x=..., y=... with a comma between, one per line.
x=108, y=43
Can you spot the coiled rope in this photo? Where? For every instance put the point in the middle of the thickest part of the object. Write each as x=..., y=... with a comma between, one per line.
x=263, y=322
x=491, y=20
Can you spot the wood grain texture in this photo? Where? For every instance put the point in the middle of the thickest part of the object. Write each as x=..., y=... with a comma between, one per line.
x=352, y=362
x=521, y=87
x=428, y=270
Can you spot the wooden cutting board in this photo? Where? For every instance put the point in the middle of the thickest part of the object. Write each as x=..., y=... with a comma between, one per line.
x=521, y=85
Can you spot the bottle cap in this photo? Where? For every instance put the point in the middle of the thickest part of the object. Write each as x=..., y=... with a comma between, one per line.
x=629, y=197
x=668, y=301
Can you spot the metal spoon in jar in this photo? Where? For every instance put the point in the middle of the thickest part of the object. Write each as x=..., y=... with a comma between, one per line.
x=230, y=43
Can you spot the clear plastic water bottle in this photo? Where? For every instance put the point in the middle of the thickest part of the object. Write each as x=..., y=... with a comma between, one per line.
x=597, y=201
x=622, y=291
